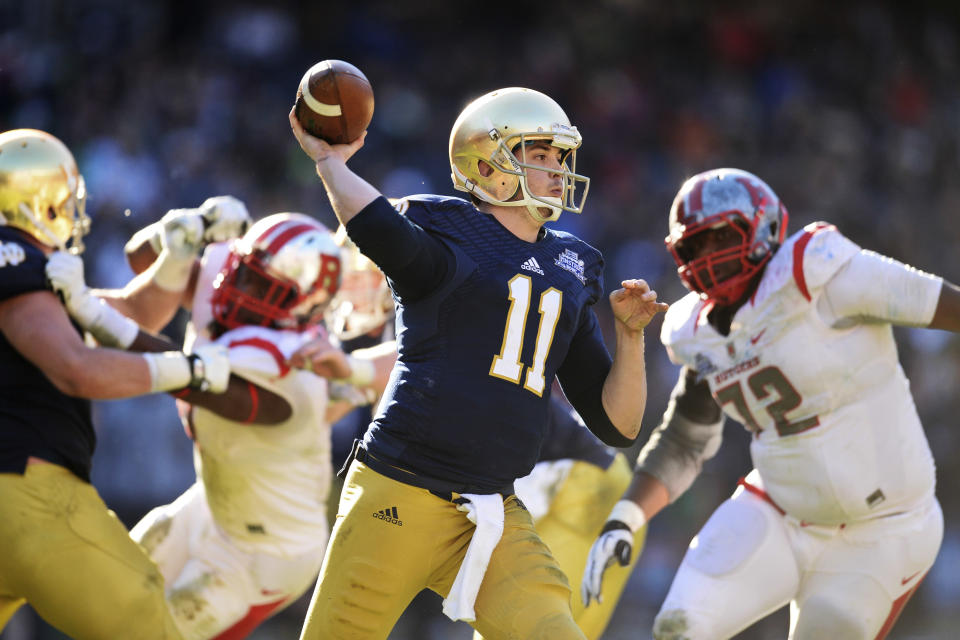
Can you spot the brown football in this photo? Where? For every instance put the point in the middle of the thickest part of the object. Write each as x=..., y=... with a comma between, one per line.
x=334, y=101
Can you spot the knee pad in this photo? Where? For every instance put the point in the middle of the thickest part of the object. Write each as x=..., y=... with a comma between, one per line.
x=671, y=625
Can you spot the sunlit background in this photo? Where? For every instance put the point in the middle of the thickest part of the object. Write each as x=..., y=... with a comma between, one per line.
x=850, y=111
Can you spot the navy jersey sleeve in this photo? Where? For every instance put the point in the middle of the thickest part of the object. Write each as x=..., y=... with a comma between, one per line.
x=22, y=266
x=582, y=375
x=566, y=437
x=414, y=261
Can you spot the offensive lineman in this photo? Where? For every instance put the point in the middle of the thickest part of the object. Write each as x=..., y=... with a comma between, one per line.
x=57, y=535
x=791, y=337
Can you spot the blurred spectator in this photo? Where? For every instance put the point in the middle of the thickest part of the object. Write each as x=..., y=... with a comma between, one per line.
x=851, y=112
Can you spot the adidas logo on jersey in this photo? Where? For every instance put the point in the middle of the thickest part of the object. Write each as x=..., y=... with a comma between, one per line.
x=388, y=515
x=531, y=264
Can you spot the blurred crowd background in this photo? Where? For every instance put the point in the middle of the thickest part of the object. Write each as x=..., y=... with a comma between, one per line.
x=850, y=111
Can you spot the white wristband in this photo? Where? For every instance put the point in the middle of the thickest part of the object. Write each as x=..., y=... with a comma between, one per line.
x=362, y=371
x=629, y=513
x=169, y=370
x=113, y=329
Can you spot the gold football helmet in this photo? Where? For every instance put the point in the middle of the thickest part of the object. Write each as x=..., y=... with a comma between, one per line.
x=495, y=125
x=41, y=189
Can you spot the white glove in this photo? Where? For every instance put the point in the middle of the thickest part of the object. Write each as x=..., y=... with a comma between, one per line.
x=106, y=324
x=206, y=369
x=612, y=545
x=224, y=218
x=209, y=368
x=181, y=232
x=181, y=236
x=615, y=543
x=65, y=275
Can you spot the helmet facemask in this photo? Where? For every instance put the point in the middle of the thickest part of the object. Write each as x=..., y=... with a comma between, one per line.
x=283, y=273
x=497, y=130
x=732, y=201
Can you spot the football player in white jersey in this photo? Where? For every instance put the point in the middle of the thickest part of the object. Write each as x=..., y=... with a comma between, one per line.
x=791, y=336
x=248, y=537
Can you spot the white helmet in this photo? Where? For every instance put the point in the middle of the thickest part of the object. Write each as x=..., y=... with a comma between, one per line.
x=715, y=199
x=283, y=273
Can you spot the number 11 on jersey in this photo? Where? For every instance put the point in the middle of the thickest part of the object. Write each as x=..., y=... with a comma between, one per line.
x=507, y=364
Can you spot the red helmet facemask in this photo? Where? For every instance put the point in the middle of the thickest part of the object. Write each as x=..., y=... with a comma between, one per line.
x=725, y=199
x=281, y=274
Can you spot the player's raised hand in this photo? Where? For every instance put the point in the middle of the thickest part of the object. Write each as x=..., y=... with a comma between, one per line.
x=635, y=304
x=224, y=218
x=318, y=149
x=182, y=232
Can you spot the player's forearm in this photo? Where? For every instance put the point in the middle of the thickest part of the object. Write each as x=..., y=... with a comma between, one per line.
x=648, y=493
x=625, y=388
x=149, y=305
x=383, y=356
x=348, y=192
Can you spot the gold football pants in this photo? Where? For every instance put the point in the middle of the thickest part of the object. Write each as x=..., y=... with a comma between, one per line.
x=391, y=540
x=577, y=512
x=70, y=557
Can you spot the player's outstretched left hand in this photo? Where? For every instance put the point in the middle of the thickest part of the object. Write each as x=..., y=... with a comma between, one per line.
x=635, y=304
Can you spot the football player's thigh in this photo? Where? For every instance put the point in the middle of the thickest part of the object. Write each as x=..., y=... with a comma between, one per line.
x=739, y=568
x=524, y=594
x=387, y=539
x=865, y=576
x=165, y=531
x=214, y=588
x=76, y=564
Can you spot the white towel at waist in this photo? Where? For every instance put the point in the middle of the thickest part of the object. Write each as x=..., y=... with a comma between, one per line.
x=485, y=511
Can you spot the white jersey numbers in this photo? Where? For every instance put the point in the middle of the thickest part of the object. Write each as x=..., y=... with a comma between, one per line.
x=763, y=384
x=507, y=364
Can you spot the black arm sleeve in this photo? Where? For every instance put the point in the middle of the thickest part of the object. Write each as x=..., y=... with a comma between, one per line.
x=582, y=375
x=414, y=261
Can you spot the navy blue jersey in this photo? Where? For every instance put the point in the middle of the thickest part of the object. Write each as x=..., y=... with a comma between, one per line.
x=482, y=341
x=36, y=419
x=567, y=437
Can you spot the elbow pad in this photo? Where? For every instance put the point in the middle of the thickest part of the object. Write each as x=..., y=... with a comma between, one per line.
x=690, y=434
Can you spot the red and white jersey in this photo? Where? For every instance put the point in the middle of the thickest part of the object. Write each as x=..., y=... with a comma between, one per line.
x=837, y=438
x=267, y=486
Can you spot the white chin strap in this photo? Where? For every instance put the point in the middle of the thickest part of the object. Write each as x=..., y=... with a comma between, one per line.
x=535, y=206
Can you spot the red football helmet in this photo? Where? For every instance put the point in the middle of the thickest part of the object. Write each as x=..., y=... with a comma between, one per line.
x=725, y=198
x=282, y=273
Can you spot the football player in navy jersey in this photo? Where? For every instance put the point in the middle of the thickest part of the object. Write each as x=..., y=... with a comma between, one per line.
x=57, y=534
x=577, y=478
x=491, y=307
